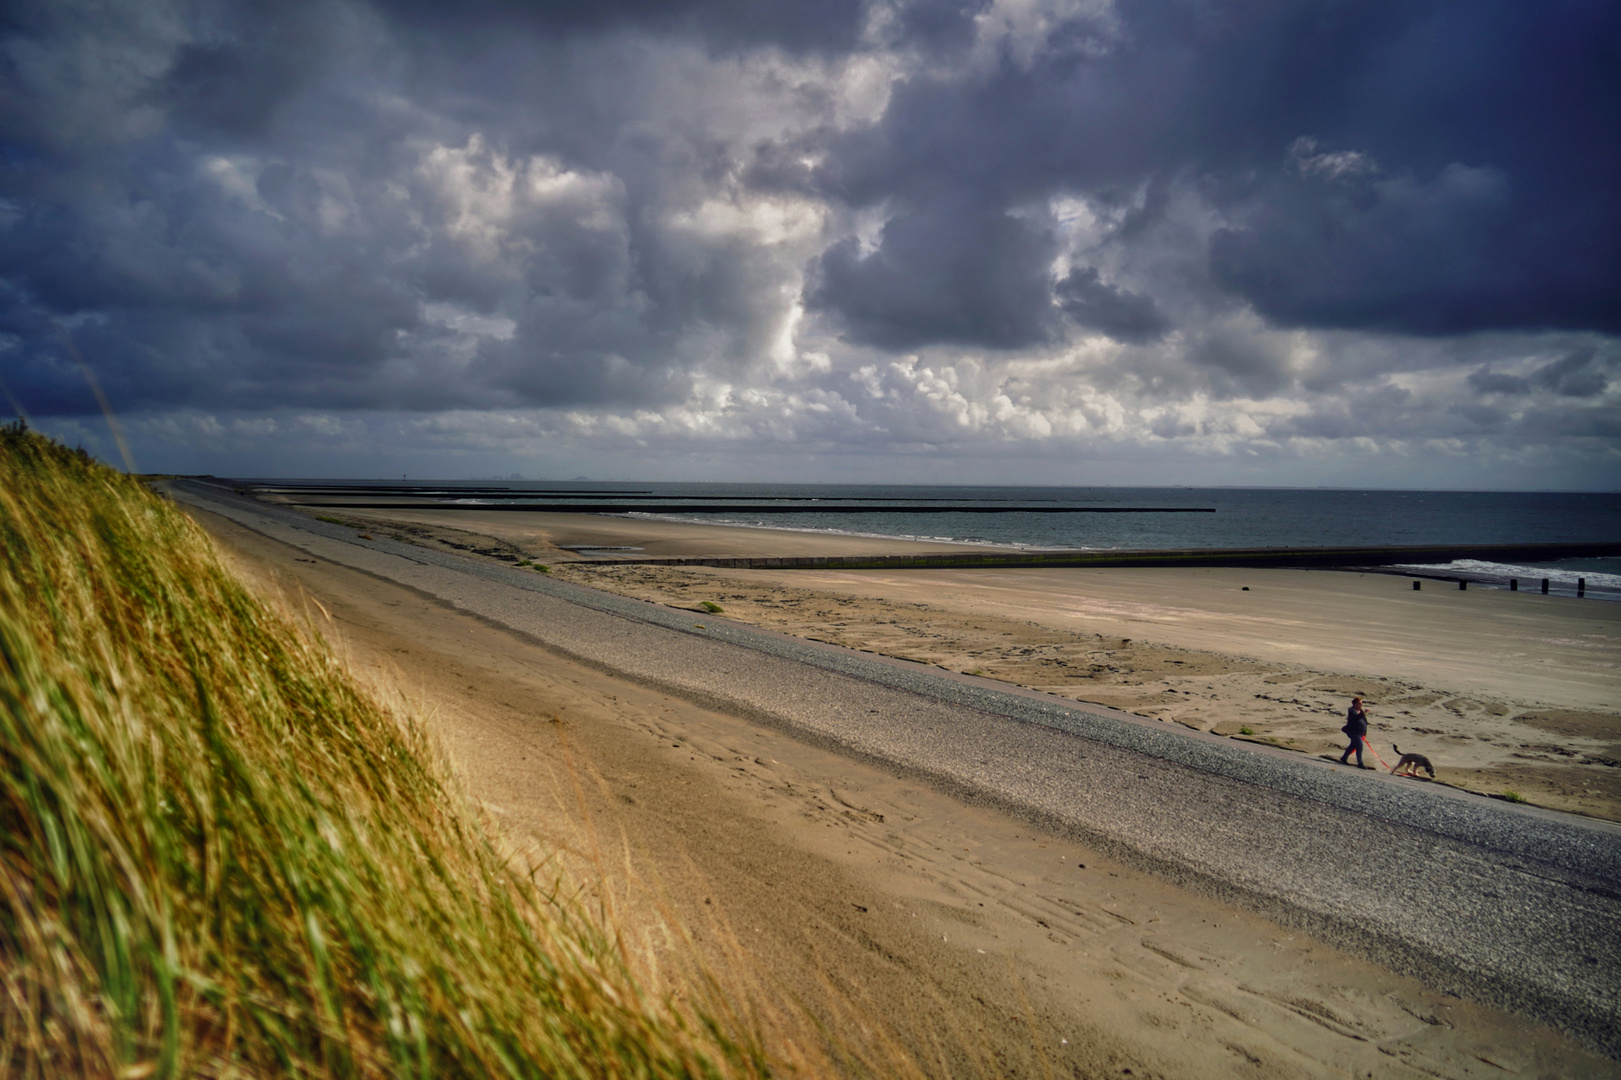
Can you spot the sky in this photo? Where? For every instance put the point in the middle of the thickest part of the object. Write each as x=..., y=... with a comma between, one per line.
x=1370, y=243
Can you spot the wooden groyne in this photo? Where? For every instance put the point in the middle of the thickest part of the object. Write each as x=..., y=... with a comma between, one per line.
x=1322, y=557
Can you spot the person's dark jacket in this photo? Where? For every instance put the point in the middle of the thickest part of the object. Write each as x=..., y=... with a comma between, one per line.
x=1356, y=723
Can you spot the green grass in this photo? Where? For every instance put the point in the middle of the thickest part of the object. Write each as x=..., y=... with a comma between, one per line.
x=711, y=607
x=329, y=520
x=218, y=857
x=1246, y=731
x=1513, y=796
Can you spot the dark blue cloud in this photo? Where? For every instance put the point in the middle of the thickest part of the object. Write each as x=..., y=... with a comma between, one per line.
x=825, y=26
x=1490, y=131
x=1122, y=315
x=1492, y=136
x=1579, y=374
x=948, y=272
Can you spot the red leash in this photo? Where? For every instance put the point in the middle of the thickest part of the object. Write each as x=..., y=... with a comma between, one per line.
x=1375, y=753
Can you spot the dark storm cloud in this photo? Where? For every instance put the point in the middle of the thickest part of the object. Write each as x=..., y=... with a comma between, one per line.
x=830, y=25
x=1488, y=146
x=257, y=57
x=1465, y=158
x=1460, y=253
x=953, y=271
x=1493, y=382
x=1241, y=365
x=1577, y=375
x=1122, y=315
x=1590, y=423
x=176, y=297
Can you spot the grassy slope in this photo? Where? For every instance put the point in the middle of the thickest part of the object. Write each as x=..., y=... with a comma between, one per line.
x=218, y=857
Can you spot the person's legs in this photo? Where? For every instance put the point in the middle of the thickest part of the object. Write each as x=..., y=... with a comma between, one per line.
x=1358, y=744
x=1345, y=758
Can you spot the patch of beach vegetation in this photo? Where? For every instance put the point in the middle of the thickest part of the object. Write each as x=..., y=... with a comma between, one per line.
x=219, y=857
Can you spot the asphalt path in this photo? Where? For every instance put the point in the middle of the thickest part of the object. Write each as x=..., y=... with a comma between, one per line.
x=1507, y=905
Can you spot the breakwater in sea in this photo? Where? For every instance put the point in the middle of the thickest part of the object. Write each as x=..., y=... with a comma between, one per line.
x=1377, y=558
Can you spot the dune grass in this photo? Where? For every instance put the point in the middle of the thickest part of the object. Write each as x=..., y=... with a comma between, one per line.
x=218, y=857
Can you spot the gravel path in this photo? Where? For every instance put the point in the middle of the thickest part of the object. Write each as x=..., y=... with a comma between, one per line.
x=1507, y=905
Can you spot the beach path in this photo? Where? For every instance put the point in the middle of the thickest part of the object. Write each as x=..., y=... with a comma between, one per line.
x=1497, y=903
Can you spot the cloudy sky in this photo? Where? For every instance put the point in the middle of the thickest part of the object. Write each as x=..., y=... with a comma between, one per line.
x=1370, y=242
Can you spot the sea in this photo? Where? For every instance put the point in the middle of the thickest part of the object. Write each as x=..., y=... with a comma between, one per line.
x=1122, y=518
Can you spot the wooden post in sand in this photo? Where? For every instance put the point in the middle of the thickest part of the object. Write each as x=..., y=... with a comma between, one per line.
x=1513, y=584
x=1415, y=586
x=1581, y=587
x=1544, y=586
x=1462, y=584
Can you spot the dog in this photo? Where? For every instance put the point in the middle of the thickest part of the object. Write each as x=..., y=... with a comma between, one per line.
x=1411, y=763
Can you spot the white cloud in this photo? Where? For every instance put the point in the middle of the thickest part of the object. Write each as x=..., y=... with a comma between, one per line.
x=767, y=221
x=488, y=197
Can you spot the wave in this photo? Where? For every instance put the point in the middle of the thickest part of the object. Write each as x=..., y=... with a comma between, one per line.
x=1555, y=575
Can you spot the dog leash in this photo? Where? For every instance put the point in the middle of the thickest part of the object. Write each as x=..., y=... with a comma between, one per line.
x=1374, y=752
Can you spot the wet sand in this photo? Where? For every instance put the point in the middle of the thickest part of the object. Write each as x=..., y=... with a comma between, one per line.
x=987, y=947
x=648, y=536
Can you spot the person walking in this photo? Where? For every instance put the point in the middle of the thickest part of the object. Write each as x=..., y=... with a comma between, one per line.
x=1356, y=729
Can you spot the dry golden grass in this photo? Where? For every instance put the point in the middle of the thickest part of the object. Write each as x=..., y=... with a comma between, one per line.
x=218, y=857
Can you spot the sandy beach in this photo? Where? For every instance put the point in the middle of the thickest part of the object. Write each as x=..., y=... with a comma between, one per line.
x=985, y=946
x=606, y=535
x=1504, y=692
